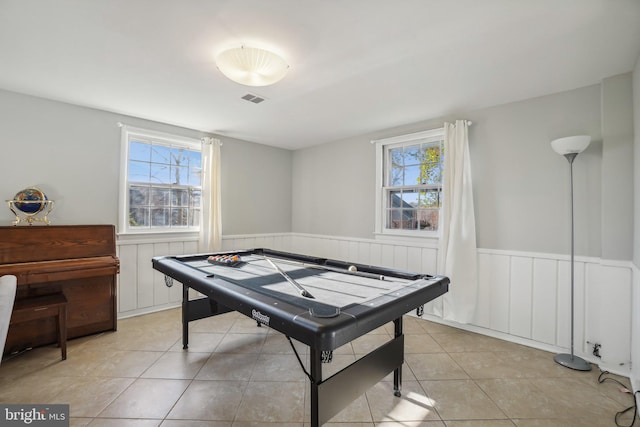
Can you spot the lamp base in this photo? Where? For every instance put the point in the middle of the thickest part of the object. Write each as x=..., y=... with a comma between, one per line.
x=573, y=362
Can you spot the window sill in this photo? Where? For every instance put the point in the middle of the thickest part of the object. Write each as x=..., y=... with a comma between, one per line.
x=156, y=236
x=427, y=239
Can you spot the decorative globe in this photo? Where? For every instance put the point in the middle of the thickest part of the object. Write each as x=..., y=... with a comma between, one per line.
x=34, y=195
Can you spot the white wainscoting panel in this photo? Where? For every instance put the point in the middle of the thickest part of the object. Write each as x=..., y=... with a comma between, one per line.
x=280, y=241
x=581, y=309
x=159, y=289
x=523, y=297
x=521, y=285
x=544, y=304
x=493, y=292
x=127, y=280
x=141, y=289
x=609, y=296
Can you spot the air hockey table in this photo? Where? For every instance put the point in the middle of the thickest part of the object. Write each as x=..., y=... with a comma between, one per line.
x=320, y=302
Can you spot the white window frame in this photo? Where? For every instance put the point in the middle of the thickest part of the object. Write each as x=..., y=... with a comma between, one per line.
x=161, y=138
x=381, y=230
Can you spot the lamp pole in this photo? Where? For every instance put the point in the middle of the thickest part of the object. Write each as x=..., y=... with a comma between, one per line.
x=570, y=360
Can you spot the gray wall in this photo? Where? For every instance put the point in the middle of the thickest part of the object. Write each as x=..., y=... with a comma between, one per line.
x=334, y=185
x=636, y=171
x=635, y=303
x=617, y=167
x=521, y=186
x=73, y=154
x=256, y=192
x=333, y=189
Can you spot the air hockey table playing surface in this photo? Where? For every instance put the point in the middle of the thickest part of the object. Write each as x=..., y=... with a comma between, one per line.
x=343, y=305
x=319, y=302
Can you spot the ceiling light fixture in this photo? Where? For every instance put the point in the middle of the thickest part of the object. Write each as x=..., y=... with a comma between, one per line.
x=252, y=66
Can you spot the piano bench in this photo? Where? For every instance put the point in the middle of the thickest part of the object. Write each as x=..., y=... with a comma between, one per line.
x=40, y=307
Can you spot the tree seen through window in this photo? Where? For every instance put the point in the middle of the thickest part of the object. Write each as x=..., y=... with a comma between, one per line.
x=164, y=184
x=414, y=186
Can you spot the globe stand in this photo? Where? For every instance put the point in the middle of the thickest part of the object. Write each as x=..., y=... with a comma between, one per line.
x=39, y=216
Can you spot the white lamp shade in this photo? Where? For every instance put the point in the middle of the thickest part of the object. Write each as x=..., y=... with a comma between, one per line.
x=571, y=144
x=252, y=66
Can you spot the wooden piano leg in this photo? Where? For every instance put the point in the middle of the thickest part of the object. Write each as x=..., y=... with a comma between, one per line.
x=62, y=330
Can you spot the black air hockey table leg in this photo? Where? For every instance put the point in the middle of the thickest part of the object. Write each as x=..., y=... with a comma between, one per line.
x=315, y=361
x=331, y=395
x=185, y=317
x=397, y=373
x=195, y=309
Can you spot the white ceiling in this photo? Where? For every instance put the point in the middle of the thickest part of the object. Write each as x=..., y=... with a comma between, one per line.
x=356, y=66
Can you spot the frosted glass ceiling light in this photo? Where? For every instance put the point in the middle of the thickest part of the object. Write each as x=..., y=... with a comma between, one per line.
x=252, y=66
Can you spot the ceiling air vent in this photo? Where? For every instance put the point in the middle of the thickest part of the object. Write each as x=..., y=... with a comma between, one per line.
x=252, y=97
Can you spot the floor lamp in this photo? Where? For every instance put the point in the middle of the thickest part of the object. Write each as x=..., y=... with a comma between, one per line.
x=570, y=147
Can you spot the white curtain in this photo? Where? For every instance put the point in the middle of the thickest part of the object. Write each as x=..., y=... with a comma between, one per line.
x=211, y=218
x=457, y=250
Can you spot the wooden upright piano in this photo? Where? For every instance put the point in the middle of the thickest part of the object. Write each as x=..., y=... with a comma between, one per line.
x=78, y=261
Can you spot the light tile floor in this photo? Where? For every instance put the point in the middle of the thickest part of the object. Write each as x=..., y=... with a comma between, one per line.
x=237, y=375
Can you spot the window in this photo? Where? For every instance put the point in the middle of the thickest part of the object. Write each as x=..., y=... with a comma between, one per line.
x=161, y=182
x=410, y=183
